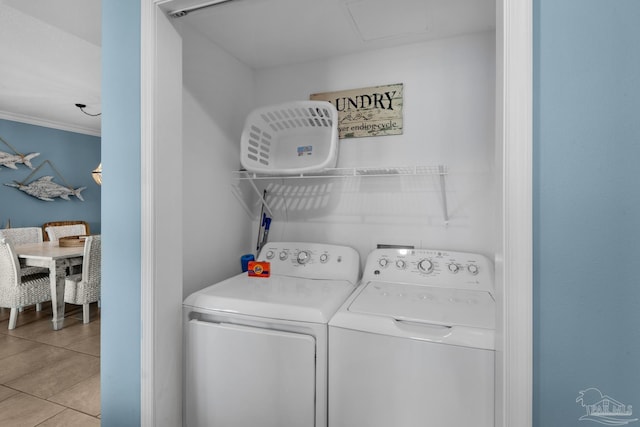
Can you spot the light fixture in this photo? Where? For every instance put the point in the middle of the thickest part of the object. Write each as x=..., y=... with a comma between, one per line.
x=97, y=174
x=83, y=106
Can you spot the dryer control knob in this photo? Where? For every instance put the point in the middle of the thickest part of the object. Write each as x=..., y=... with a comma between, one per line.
x=454, y=268
x=303, y=257
x=324, y=258
x=283, y=255
x=425, y=266
x=270, y=255
x=473, y=269
x=383, y=262
x=401, y=264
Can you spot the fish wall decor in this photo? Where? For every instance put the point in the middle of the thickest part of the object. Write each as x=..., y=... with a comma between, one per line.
x=10, y=160
x=44, y=188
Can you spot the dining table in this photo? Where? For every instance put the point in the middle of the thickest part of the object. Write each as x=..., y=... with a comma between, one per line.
x=56, y=258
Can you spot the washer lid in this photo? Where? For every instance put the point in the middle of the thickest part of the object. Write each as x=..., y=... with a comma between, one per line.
x=275, y=297
x=426, y=304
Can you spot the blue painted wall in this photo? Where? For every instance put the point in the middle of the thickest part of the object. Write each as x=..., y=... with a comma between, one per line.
x=587, y=206
x=74, y=155
x=120, y=333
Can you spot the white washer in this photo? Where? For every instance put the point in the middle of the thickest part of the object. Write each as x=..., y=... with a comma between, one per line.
x=414, y=345
x=256, y=348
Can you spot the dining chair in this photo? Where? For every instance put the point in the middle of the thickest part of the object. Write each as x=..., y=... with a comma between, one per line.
x=18, y=291
x=54, y=230
x=84, y=288
x=20, y=236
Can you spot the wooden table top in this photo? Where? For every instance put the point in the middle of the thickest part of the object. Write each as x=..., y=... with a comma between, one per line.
x=48, y=250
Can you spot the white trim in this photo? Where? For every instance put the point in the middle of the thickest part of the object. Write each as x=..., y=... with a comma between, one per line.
x=517, y=232
x=30, y=120
x=147, y=213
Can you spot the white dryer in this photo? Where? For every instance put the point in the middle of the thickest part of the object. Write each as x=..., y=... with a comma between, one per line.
x=414, y=345
x=256, y=348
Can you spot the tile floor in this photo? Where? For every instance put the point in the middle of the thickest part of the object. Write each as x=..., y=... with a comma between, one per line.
x=50, y=378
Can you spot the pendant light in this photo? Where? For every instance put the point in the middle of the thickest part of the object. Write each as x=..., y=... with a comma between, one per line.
x=97, y=174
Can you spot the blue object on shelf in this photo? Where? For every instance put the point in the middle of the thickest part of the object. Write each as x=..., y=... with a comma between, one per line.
x=244, y=261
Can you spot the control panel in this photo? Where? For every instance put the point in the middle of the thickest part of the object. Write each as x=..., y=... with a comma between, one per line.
x=439, y=268
x=312, y=260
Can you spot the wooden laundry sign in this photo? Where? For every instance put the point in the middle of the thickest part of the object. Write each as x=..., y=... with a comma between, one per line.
x=371, y=111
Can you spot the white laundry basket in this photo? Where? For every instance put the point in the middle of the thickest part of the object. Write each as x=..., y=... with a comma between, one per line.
x=291, y=138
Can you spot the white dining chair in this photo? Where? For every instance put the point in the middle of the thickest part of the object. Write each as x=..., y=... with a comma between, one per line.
x=56, y=232
x=20, y=236
x=17, y=291
x=84, y=288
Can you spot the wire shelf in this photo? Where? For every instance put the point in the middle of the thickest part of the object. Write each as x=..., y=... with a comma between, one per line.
x=351, y=172
x=252, y=178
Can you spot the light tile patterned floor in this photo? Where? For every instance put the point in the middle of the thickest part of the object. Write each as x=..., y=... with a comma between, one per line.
x=50, y=378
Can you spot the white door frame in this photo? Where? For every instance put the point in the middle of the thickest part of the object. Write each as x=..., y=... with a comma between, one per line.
x=161, y=219
x=148, y=307
x=514, y=258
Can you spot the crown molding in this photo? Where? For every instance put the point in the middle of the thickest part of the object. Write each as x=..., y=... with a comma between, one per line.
x=49, y=123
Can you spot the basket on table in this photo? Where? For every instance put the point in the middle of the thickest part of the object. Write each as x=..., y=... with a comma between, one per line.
x=72, y=241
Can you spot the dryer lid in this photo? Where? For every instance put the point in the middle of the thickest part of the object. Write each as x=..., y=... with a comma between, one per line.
x=275, y=297
x=426, y=304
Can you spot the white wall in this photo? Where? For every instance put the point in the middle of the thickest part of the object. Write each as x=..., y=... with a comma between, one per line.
x=449, y=97
x=216, y=98
x=449, y=115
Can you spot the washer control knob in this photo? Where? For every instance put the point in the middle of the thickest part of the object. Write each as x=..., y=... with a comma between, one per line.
x=473, y=269
x=454, y=268
x=425, y=266
x=283, y=255
x=383, y=262
x=324, y=258
x=270, y=254
x=303, y=257
x=401, y=264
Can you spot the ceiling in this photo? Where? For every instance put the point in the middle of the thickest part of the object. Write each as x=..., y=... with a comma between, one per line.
x=50, y=61
x=50, y=50
x=268, y=33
